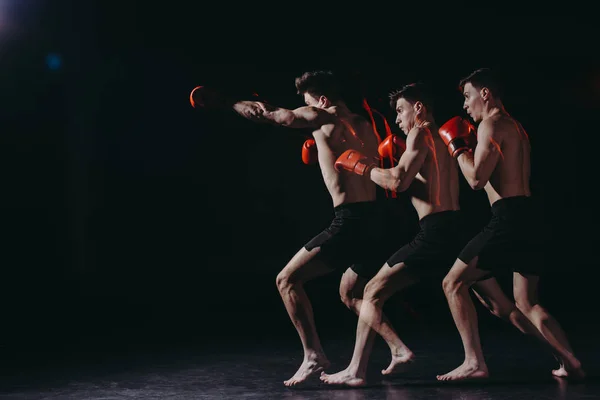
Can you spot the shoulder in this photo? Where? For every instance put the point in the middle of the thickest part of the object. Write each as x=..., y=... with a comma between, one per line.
x=418, y=133
x=314, y=112
x=416, y=139
x=488, y=124
x=491, y=128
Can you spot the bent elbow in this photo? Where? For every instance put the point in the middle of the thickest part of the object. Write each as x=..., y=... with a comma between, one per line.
x=477, y=184
x=401, y=181
x=401, y=186
x=398, y=183
x=285, y=122
x=281, y=118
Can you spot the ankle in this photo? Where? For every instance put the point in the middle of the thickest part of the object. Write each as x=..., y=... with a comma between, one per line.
x=354, y=369
x=314, y=355
x=401, y=351
x=474, y=363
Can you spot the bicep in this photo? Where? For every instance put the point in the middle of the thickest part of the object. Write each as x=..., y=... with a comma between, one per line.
x=411, y=161
x=303, y=117
x=487, y=152
x=413, y=157
x=310, y=117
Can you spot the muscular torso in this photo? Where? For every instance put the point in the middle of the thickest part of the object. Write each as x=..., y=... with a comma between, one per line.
x=435, y=187
x=332, y=140
x=511, y=175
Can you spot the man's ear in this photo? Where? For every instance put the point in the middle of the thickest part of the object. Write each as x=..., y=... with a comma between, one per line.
x=324, y=101
x=419, y=112
x=484, y=93
x=419, y=107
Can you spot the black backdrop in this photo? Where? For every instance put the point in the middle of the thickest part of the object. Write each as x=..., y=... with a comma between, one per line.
x=128, y=216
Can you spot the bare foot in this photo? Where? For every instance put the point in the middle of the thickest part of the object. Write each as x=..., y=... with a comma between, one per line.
x=465, y=372
x=344, y=377
x=397, y=361
x=311, y=366
x=571, y=372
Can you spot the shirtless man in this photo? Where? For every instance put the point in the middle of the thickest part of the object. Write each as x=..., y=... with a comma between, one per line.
x=500, y=165
x=430, y=176
x=352, y=240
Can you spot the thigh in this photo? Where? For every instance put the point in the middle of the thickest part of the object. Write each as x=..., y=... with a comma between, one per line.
x=389, y=280
x=338, y=246
x=304, y=266
x=466, y=273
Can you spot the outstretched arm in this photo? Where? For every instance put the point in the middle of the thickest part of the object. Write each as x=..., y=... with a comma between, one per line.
x=303, y=117
x=402, y=175
x=478, y=167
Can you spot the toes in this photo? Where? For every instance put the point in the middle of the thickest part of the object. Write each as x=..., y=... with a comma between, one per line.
x=289, y=382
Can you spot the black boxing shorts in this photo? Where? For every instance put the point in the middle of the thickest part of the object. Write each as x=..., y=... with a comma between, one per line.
x=435, y=248
x=510, y=241
x=354, y=239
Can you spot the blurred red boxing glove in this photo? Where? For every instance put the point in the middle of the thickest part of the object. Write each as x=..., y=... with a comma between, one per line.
x=203, y=97
x=392, y=147
x=456, y=134
x=354, y=161
x=472, y=138
x=309, y=152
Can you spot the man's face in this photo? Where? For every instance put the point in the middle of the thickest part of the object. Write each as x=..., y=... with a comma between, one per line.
x=406, y=114
x=312, y=101
x=474, y=103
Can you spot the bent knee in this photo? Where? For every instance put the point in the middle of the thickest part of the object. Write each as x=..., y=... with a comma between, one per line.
x=347, y=297
x=526, y=302
x=451, y=284
x=532, y=309
x=524, y=305
x=504, y=311
x=283, y=281
x=373, y=293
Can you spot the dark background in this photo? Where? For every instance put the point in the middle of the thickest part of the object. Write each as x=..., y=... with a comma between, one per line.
x=130, y=220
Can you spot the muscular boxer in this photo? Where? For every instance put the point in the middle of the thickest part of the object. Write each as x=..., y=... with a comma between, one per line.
x=429, y=175
x=353, y=239
x=500, y=165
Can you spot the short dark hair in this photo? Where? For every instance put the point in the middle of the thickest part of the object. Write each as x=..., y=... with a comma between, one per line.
x=483, y=77
x=319, y=83
x=412, y=93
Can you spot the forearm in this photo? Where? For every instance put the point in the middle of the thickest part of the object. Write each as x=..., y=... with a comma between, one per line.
x=386, y=178
x=278, y=115
x=264, y=113
x=466, y=163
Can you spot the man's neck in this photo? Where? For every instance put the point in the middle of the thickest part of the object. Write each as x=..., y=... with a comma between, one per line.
x=340, y=109
x=429, y=120
x=493, y=111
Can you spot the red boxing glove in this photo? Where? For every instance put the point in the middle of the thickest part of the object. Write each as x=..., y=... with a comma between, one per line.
x=353, y=161
x=456, y=134
x=392, y=147
x=309, y=152
x=204, y=97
